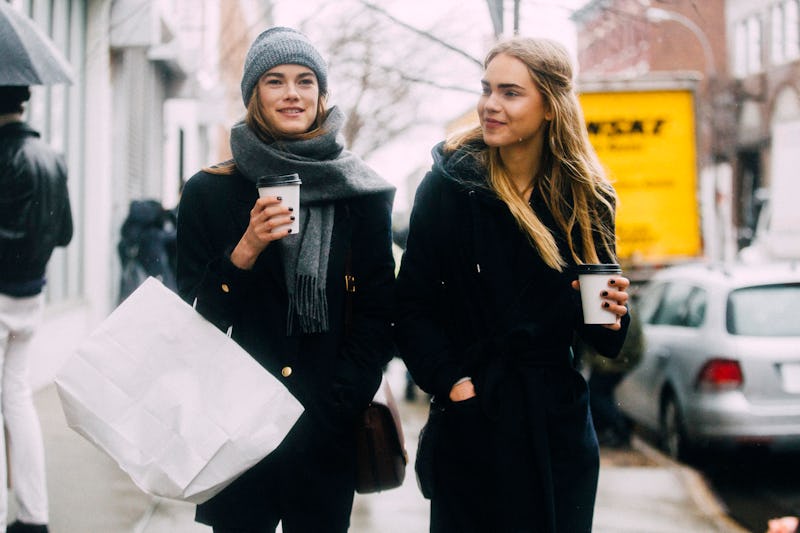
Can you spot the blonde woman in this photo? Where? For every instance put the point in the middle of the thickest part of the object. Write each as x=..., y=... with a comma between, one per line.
x=487, y=309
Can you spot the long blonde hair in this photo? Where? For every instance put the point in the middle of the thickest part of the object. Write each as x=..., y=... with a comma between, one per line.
x=572, y=181
x=257, y=121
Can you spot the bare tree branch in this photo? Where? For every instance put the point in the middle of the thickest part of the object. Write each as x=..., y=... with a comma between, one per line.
x=422, y=33
x=385, y=90
x=415, y=79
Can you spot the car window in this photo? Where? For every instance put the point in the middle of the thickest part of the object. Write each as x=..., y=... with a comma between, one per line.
x=696, y=308
x=681, y=305
x=765, y=311
x=647, y=301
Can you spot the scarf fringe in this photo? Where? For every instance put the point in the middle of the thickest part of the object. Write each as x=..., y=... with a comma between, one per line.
x=308, y=307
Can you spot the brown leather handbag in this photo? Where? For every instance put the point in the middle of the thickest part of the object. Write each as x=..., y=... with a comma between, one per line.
x=381, y=456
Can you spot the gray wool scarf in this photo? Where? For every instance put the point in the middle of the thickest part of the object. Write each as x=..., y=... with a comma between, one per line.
x=328, y=173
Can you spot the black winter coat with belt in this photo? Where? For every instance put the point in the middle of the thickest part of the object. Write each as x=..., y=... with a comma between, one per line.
x=475, y=299
x=333, y=374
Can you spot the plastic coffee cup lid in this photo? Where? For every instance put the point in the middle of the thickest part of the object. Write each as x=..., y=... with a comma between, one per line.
x=607, y=268
x=275, y=181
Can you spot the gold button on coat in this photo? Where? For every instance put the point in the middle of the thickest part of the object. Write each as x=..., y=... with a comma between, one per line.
x=225, y=287
x=286, y=371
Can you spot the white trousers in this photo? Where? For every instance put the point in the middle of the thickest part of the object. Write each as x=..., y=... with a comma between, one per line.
x=19, y=317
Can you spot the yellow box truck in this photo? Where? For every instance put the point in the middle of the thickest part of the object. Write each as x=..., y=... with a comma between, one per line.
x=645, y=134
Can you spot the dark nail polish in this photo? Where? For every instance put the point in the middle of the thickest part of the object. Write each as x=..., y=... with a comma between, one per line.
x=291, y=217
x=604, y=293
x=291, y=209
x=611, y=282
x=290, y=230
x=606, y=304
x=280, y=198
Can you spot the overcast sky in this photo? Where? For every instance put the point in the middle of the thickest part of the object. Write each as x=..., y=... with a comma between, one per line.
x=547, y=18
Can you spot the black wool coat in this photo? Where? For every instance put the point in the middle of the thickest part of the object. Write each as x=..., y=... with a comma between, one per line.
x=475, y=299
x=333, y=374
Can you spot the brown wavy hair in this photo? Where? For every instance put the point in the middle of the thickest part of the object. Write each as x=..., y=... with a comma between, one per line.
x=571, y=180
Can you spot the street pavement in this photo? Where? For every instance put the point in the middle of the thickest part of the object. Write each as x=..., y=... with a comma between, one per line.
x=640, y=491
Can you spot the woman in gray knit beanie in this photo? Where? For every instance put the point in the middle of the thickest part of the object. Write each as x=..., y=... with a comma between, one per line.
x=281, y=293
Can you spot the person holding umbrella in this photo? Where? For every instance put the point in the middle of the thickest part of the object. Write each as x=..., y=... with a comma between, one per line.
x=35, y=217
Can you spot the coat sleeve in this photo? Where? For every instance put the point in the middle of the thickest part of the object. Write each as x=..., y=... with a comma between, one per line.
x=206, y=276
x=368, y=344
x=419, y=330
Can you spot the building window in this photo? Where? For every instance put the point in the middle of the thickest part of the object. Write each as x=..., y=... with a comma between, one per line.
x=753, y=45
x=791, y=24
x=776, y=31
x=747, y=47
x=739, y=50
x=784, y=42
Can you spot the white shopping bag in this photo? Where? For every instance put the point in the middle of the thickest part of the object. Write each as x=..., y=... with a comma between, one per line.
x=181, y=407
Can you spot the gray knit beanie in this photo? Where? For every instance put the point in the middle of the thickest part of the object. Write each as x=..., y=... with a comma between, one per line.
x=281, y=46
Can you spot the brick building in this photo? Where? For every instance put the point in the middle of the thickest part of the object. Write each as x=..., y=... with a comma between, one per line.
x=631, y=38
x=747, y=53
x=764, y=54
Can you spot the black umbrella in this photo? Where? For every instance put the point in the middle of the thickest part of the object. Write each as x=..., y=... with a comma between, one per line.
x=29, y=57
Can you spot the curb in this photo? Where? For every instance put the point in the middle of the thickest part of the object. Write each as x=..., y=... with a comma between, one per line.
x=697, y=487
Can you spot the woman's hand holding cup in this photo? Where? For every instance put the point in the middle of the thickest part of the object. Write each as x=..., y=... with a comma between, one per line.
x=616, y=299
x=612, y=298
x=270, y=220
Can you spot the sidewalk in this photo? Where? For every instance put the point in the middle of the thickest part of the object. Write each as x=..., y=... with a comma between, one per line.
x=640, y=490
x=643, y=491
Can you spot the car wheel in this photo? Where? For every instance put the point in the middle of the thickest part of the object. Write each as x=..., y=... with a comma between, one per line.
x=673, y=430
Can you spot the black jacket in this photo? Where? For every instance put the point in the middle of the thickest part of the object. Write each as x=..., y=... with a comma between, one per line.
x=475, y=299
x=470, y=285
x=334, y=375
x=147, y=246
x=35, y=214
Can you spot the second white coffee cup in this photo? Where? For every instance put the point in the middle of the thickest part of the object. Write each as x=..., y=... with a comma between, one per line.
x=594, y=280
x=287, y=187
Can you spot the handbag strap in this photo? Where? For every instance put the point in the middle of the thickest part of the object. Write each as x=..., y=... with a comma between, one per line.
x=349, y=278
x=349, y=289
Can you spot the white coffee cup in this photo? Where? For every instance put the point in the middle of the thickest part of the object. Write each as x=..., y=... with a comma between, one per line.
x=287, y=187
x=594, y=280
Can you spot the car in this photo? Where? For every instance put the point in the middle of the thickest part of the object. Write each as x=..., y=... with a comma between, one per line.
x=721, y=364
